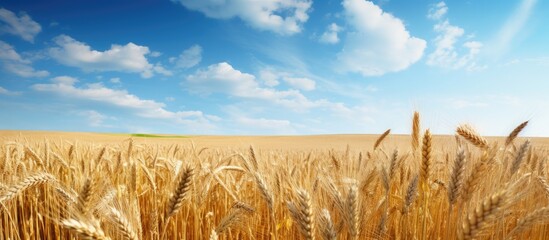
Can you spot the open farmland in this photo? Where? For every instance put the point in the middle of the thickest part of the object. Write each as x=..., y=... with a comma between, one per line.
x=111, y=186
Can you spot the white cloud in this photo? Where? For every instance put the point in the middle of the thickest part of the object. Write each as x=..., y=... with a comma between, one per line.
x=14, y=63
x=156, y=54
x=65, y=87
x=269, y=77
x=95, y=119
x=64, y=80
x=223, y=78
x=330, y=35
x=22, y=26
x=160, y=69
x=300, y=83
x=115, y=80
x=169, y=99
x=512, y=27
x=127, y=58
x=446, y=54
x=281, y=16
x=437, y=11
x=379, y=42
x=189, y=58
x=7, y=92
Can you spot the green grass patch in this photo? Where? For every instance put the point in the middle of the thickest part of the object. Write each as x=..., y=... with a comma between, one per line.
x=145, y=135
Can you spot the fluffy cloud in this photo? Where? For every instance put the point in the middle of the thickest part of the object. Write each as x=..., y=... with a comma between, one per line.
x=330, y=35
x=379, y=42
x=281, y=16
x=22, y=26
x=189, y=58
x=446, y=54
x=126, y=58
x=223, y=78
x=271, y=78
x=14, y=63
x=66, y=86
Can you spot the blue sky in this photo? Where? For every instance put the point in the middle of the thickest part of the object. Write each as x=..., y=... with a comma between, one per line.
x=273, y=66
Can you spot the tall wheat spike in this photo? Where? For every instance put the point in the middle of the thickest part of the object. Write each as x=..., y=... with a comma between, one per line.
x=456, y=178
x=515, y=133
x=85, y=230
x=381, y=138
x=426, y=158
x=302, y=212
x=28, y=182
x=415, y=131
x=181, y=190
x=480, y=219
x=472, y=136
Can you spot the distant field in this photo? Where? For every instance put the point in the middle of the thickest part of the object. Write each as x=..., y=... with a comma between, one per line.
x=59, y=185
x=335, y=141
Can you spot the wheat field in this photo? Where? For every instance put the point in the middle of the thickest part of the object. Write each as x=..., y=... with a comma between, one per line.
x=327, y=187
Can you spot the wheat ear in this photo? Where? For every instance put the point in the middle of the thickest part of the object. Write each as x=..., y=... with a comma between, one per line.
x=415, y=131
x=479, y=220
x=327, y=229
x=426, y=158
x=520, y=156
x=353, y=211
x=85, y=230
x=381, y=138
x=123, y=225
x=28, y=182
x=536, y=217
x=302, y=213
x=456, y=178
x=181, y=189
x=472, y=136
x=85, y=195
x=411, y=194
x=515, y=133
